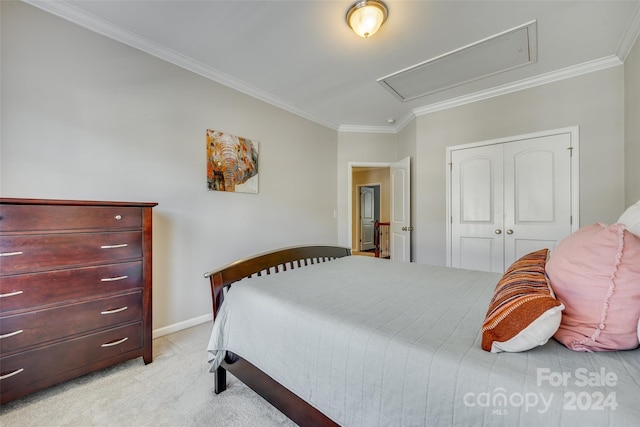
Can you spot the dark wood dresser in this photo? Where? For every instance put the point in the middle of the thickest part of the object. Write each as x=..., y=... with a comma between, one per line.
x=75, y=289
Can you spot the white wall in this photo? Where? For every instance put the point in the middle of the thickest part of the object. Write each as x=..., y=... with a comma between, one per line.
x=85, y=117
x=632, y=125
x=594, y=102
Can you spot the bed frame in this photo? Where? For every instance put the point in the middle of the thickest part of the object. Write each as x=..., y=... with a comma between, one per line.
x=299, y=411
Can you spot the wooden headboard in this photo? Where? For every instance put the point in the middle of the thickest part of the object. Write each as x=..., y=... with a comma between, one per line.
x=269, y=263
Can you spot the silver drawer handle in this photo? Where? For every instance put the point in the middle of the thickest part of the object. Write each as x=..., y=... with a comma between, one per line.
x=11, y=294
x=10, y=253
x=113, y=279
x=10, y=374
x=10, y=334
x=118, y=217
x=111, y=344
x=117, y=310
x=122, y=245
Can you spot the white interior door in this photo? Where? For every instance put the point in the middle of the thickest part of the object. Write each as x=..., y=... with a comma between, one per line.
x=367, y=218
x=537, y=194
x=476, y=208
x=400, y=230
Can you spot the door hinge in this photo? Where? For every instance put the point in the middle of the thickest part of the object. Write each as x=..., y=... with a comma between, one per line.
x=570, y=151
x=570, y=219
x=450, y=166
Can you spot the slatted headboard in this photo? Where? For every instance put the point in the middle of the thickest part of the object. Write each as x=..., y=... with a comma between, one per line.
x=269, y=263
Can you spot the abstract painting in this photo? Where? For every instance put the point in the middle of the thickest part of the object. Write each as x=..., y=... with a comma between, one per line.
x=232, y=163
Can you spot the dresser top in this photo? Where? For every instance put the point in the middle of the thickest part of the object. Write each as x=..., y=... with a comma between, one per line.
x=18, y=201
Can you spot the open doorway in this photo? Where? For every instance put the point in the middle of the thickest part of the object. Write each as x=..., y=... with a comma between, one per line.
x=395, y=203
x=370, y=202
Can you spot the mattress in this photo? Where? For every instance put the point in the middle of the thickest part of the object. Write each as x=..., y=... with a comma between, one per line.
x=372, y=342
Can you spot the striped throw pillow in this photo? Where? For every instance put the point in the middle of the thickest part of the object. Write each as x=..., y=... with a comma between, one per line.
x=523, y=312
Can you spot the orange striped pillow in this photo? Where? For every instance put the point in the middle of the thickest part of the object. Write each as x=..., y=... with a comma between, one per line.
x=523, y=312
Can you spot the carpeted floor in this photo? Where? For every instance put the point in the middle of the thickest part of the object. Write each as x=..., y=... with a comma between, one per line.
x=175, y=390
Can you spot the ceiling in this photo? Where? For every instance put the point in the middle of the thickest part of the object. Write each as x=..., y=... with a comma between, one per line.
x=302, y=57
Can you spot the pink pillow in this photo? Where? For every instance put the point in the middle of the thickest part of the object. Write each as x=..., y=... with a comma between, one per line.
x=595, y=273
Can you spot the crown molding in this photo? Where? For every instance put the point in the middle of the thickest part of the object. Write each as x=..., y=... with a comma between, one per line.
x=631, y=35
x=367, y=129
x=554, y=76
x=91, y=22
x=79, y=17
x=379, y=129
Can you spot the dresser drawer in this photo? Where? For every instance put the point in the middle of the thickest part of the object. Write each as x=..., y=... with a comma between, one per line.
x=52, y=217
x=36, y=327
x=25, y=291
x=22, y=370
x=29, y=253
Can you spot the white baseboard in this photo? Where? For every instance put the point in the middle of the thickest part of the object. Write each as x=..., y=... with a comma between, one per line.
x=181, y=325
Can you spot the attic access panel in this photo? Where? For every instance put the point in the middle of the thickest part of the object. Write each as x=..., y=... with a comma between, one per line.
x=504, y=51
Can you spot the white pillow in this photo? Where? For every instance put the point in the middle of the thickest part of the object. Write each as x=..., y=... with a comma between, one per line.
x=537, y=333
x=631, y=218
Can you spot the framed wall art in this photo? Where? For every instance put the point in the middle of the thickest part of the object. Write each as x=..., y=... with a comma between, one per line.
x=232, y=163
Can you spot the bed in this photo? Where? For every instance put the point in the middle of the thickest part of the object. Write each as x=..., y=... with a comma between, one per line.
x=334, y=339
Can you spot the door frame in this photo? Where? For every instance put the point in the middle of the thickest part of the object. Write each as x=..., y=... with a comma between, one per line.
x=573, y=131
x=350, y=167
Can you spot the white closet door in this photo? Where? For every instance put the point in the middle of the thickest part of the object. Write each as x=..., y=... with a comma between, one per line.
x=537, y=194
x=476, y=208
x=510, y=198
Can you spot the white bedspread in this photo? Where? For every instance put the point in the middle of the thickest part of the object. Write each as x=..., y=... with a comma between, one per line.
x=372, y=342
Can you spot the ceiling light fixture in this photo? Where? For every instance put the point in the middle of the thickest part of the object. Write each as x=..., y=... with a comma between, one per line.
x=366, y=17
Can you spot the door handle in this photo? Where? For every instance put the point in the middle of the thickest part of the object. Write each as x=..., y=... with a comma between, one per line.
x=407, y=228
x=509, y=231
x=498, y=231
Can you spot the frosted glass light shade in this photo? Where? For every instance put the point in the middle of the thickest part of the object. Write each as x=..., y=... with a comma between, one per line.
x=366, y=17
